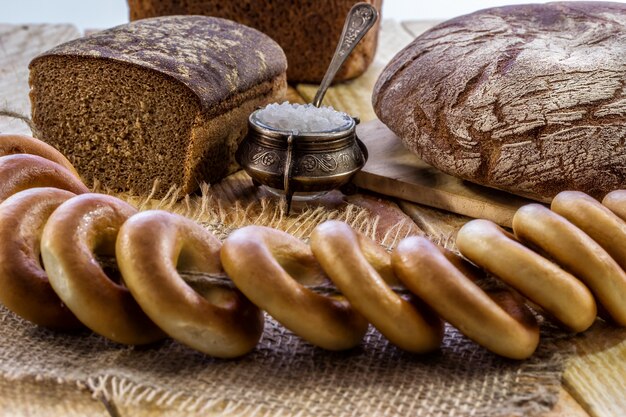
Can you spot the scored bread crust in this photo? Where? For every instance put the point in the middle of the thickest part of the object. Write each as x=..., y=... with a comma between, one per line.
x=529, y=99
x=164, y=98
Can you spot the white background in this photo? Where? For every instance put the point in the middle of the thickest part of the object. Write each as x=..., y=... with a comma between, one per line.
x=97, y=14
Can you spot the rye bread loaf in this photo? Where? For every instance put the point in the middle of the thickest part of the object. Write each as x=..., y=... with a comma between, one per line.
x=307, y=30
x=165, y=98
x=529, y=99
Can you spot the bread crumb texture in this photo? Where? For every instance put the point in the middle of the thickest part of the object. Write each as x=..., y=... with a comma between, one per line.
x=529, y=99
x=162, y=99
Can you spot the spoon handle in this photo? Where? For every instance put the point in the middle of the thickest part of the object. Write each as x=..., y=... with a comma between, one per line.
x=360, y=19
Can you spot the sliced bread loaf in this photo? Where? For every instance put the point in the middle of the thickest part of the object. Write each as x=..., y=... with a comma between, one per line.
x=164, y=98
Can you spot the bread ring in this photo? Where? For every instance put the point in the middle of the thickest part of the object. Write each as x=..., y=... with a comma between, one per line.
x=20, y=172
x=575, y=251
x=616, y=202
x=499, y=322
x=596, y=220
x=79, y=227
x=21, y=144
x=540, y=280
x=340, y=251
x=221, y=322
x=269, y=267
x=24, y=285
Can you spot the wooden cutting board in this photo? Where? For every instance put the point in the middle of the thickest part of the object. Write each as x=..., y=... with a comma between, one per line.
x=393, y=171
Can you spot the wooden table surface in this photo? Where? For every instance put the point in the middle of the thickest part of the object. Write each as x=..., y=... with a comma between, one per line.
x=594, y=380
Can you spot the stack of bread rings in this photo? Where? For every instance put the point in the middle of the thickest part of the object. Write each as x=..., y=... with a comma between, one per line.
x=53, y=234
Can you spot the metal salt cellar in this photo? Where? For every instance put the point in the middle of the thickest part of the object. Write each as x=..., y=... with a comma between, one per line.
x=310, y=163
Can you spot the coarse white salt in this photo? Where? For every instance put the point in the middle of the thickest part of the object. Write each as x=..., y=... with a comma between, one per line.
x=302, y=118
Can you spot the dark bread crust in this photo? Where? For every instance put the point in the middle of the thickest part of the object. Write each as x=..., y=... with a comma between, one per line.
x=159, y=99
x=217, y=59
x=307, y=30
x=529, y=99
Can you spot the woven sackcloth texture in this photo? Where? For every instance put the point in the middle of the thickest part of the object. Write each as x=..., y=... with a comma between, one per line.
x=285, y=375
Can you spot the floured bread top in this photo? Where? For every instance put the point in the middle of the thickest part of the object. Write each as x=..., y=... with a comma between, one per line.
x=529, y=99
x=215, y=58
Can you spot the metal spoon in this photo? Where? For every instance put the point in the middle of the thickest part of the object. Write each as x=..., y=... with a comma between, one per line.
x=360, y=19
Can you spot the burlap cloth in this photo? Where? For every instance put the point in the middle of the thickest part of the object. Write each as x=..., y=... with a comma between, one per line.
x=285, y=375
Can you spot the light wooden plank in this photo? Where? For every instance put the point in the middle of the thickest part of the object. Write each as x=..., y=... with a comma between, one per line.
x=293, y=96
x=27, y=397
x=19, y=44
x=440, y=226
x=596, y=375
x=393, y=171
x=354, y=97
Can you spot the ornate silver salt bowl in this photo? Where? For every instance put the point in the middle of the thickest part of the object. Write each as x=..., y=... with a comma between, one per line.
x=301, y=162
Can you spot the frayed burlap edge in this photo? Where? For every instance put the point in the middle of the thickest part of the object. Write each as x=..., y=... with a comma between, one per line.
x=220, y=218
x=121, y=393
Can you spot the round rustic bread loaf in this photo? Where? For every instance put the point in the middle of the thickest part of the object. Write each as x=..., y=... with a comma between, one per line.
x=529, y=99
